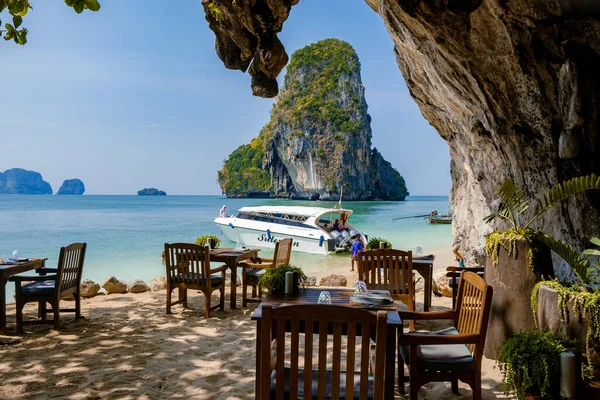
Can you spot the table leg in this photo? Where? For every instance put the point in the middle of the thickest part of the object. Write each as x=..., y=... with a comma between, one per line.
x=390, y=362
x=2, y=305
x=233, y=280
x=257, y=374
x=428, y=288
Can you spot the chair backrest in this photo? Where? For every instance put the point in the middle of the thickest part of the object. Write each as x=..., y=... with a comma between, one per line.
x=473, y=305
x=70, y=268
x=454, y=272
x=387, y=269
x=326, y=321
x=283, y=252
x=187, y=263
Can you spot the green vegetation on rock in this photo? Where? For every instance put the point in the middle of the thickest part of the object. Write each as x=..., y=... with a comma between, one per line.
x=243, y=170
x=311, y=91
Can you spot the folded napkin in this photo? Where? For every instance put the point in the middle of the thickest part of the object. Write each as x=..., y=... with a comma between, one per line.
x=8, y=262
x=371, y=299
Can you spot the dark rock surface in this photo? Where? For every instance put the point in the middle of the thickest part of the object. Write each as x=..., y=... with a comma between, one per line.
x=151, y=192
x=21, y=181
x=318, y=141
x=512, y=86
x=72, y=186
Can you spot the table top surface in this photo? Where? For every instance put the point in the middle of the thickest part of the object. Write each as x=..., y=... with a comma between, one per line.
x=231, y=252
x=339, y=297
x=31, y=262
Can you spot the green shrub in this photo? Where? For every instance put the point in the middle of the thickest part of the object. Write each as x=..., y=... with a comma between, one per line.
x=273, y=280
x=201, y=240
x=530, y=363
x=374, y=243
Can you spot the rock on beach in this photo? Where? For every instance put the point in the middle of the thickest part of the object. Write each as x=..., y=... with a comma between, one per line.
x=334, y=280
x=158, y=283
x=113, y=285
x=89, y=288
x=137, y=286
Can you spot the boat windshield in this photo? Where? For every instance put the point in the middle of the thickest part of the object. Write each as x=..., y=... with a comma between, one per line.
x=277, y=218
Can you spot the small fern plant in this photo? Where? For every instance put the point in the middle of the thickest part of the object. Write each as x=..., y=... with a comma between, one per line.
x=514, y=204
x=273, y=280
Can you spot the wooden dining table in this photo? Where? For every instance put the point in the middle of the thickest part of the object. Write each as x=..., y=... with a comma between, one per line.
x=8, y=269
x=338, y=297
x=231, y=258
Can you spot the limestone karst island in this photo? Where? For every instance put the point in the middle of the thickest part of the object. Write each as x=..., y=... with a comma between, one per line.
x=318, y=140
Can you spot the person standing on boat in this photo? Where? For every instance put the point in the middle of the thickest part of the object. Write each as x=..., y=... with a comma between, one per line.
x=356, y=247
x=223, y=212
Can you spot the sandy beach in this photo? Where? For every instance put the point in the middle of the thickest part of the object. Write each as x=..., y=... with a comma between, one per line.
x=128, y=348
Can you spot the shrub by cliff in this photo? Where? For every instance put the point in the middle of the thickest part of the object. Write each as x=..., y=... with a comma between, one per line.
x=318, y=140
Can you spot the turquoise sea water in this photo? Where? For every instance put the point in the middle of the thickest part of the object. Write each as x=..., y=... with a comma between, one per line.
x=126, y=234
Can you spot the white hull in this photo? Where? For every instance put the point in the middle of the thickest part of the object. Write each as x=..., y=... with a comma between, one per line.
x=303, y=239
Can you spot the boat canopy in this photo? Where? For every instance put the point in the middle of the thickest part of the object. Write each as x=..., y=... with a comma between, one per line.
x=298, y=213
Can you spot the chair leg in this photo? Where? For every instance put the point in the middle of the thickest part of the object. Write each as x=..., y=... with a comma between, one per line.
x=169, y=291
x=476, y=384
x=56, y=309
x=222, y=299
x=454, y=385
x=259, y=290
x=207, y=304
x=400, y=372
x=412, y=374
x=183, y=295
x=43, y=308
x=19, y=317
x=77, y=305
x=244, y=289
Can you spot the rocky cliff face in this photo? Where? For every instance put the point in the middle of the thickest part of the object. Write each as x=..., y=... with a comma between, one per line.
x=512, y=86
x=20, y=181
x=72, y=186
x=318, y=141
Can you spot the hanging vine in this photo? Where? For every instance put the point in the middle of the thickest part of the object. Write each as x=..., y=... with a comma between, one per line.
x=585, y=304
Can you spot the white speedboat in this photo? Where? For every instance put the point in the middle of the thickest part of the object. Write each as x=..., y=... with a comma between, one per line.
x=311, y=228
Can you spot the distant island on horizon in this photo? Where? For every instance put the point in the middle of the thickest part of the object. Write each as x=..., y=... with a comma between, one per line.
x=151, y=192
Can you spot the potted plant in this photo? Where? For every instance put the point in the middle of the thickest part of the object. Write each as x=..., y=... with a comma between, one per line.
x=519, y=257
x=211, y=239
x=530, y=364
x=378, y=243
x=273, y=280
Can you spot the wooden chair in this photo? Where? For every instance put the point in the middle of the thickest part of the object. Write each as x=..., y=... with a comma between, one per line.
x=453, y=353
x=277, y=381
x=188, y=267
x=52, y=288
x=454, y=272
x=387, y=269
x=251, y=271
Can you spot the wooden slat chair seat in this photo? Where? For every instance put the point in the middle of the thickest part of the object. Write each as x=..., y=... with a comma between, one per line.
x=251, y=271
x=350, y=331
x=388, y=269
x=453, y=273
x=188, y=267
x=454, y=353
x=51, y=289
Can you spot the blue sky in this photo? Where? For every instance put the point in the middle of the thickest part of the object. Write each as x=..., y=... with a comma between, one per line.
x=134, y=96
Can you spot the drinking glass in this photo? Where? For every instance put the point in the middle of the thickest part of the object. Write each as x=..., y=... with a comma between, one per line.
x=418, y=251
x=16, y=255
x=360, y=289
x=324, y=298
